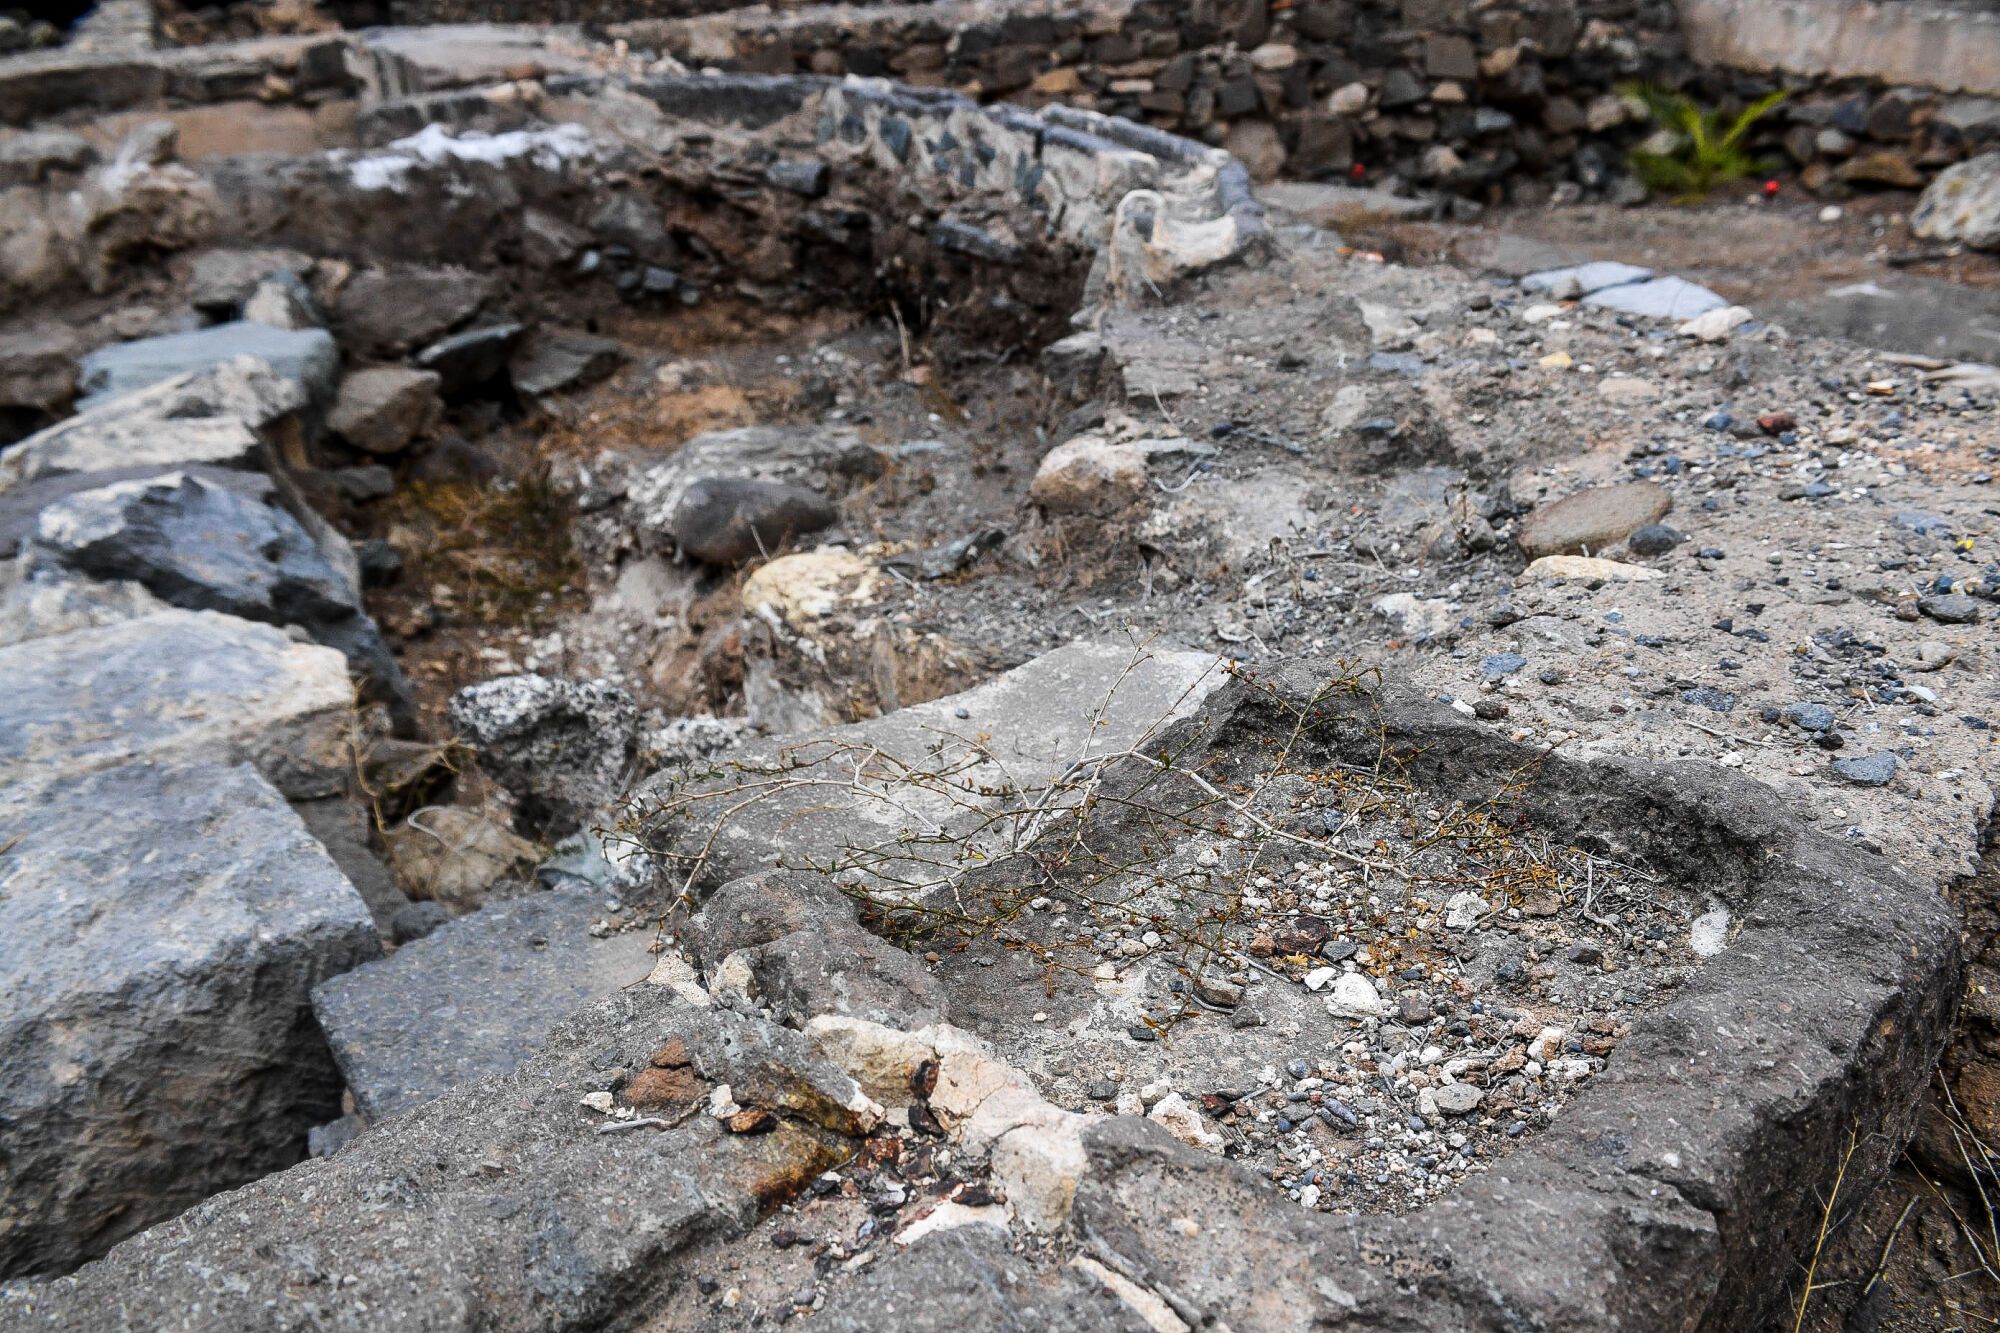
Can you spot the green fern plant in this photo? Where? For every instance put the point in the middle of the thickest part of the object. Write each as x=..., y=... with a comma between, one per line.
x=1709, y=147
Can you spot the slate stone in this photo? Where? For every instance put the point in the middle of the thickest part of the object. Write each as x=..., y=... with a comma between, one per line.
x=389, y=312
x=1592, y=520
x=555, y=360
x=474, y=998
x=1872, y=770
x=728, y=520
x=1584, y=279
x=175, y=684
x=1661, y=298
x=306, y=357
x=161, y=929
x=207, y=547
x=469, y=360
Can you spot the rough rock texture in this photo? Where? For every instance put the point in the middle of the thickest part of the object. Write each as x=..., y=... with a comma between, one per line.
x=161, y=928
x=790, y=940
x=1962, y=205
x=558, y=360
x=38, y=368
x=1040, y=719
x=970, y=1278
x=380, y=411
x=817, y=653
x=561, y=748
x=389, y=312
x=306, y=357
x=500, y=1206
x=221, y=415
x=809, y=457
x=474, y=998
x=728, y=520
x=175, y=684
x=1589, y=521
x=205, y=546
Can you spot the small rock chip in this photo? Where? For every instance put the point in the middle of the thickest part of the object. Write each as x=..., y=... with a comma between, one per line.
x=1873, y=770
x=1458, y=1098
x=1809, y=716
x=753, y=1120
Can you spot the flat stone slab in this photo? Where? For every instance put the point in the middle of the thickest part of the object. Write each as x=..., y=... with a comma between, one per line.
x=936, y=770
x=212, y=416
x=1584, y=279
x=306, y=357
x=176, y=684
x=161, y=929
x=498, y=1207
x=1661, y=298
x=474, y=998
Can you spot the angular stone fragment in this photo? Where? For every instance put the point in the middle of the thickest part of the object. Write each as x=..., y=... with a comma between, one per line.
x=1590, y=521
x=816, y=652
x=1962, y=204
x=205, y=546
x=161, y=928
x=176, y=684
x=380, y=410
x=386, y=313
x=305, y=357
x=1038, y=720
x=474, y=998
x=220, y=415
x=554, y=360
x=561, y=748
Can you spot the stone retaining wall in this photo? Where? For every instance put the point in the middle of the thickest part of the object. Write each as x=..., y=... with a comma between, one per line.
x=1510, y=101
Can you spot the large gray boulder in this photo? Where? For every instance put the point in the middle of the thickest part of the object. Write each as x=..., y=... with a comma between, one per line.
x=161, y=930
x=199, y=543
x=501, y=1206
x=305, y=357
x=175, y=684
x=474, y=998
x=561, y=748
x=220, y=415
x=1962, y=205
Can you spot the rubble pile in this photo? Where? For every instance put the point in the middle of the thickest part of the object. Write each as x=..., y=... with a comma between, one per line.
x=647, y=699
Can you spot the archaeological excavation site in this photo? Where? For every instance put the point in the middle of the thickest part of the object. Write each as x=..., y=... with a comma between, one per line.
x=1000, y=664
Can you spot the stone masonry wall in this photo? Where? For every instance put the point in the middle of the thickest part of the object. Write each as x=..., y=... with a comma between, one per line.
x=1516, y=101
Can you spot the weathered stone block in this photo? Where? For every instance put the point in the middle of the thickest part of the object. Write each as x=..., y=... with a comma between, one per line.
x=161, y=929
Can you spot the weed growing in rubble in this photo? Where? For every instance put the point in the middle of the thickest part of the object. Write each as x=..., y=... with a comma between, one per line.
x=1708, y=150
